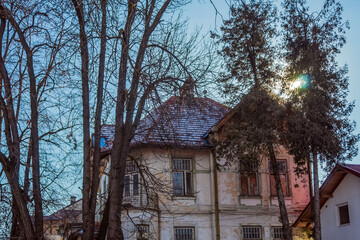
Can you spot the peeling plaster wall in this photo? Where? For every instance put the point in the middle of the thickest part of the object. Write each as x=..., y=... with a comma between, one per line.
x=198, y=211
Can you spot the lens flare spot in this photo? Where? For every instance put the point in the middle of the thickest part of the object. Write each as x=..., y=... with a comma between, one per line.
x=303, y=81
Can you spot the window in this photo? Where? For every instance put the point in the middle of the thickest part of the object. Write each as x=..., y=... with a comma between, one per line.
x=182, y=177
x=131, y=183
x=184, y=233
x=142, y=232
x=283, y=178
x=344, y=217
x=251, y=232
x=249, y=180
x=277, y=233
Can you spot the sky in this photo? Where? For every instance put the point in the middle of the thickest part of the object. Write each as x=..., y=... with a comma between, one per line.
x=201, y=13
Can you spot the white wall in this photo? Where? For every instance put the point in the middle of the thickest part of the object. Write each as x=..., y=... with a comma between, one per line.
x=348, y=191
x=198, y=211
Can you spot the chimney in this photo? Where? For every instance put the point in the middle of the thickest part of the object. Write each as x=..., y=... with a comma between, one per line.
x=187, y=89
x=72, y=200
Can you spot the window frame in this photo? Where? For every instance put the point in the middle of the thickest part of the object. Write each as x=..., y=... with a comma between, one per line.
x=282, y=172
x=248, y=176
x=138, y=232
x=187, y=188
x=243, y=237
x=184, y=227
x=131, y=171
x=340, y=224
x=274, y=234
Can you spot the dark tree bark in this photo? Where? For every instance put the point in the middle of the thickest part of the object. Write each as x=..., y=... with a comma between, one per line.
x=99, y=105
x=86, y=208
x=11, y=165
x=287, y=230
x=316, y=202
x=124, y=131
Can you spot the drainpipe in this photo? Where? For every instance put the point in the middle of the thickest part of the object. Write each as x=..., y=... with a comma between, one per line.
x=216, y=197
x=159, y=218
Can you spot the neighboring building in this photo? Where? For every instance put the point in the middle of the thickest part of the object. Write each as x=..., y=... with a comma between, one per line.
x=65, y=223
x=340, y=204
x=192, y=197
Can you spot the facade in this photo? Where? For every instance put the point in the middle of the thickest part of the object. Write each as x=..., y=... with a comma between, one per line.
x=175, y=188
x=340, y=204
x=65, y=223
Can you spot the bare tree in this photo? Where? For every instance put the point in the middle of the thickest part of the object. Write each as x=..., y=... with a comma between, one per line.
x=31, y=39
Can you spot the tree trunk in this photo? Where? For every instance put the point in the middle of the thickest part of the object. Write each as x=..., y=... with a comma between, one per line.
x=119, y=151
x=16, y=190
x=104, y=222
x=317, y=223
x=86, y=211
x=287, y=231
x=97, y=134
x=24, y=215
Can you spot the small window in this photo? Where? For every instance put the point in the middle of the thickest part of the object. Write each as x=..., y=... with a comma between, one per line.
x=142, y=232
x=184, y=233
x=277, y=233
x=182, y=177
x=251, y=232
x=344, y=217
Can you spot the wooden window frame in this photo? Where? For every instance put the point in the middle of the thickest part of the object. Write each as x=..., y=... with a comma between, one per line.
x=131, y=173
x=347, y=214
x=247, y=177
x=184, y=168
x=283, y=173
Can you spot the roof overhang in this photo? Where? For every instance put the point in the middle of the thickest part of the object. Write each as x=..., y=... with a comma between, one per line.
x=326, y=192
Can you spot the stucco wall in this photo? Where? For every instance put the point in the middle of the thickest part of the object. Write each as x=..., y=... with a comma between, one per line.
x=348, y=192
x=198, y=211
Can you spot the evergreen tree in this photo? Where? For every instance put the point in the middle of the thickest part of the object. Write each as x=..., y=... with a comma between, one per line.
x=318, y=125
x=249, y=54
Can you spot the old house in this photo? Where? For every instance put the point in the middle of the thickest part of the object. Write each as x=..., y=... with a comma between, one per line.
x=176, y=189
x=65, y=223
x=339, y=203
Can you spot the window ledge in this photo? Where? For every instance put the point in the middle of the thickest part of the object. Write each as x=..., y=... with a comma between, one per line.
x=286, y=198
x=250, y=197
x=184, y=197
x=344, y=225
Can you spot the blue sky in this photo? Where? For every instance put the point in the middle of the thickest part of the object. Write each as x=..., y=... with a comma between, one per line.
x=201, y=13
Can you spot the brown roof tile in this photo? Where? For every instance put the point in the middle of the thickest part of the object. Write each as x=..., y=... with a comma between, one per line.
x=178, y=121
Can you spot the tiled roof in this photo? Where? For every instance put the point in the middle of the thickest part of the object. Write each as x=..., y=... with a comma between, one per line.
x=354, y=167
x=70, y=211
x=178, y=121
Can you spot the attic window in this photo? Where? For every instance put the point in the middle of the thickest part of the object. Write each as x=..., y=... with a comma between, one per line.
x=344, y=217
